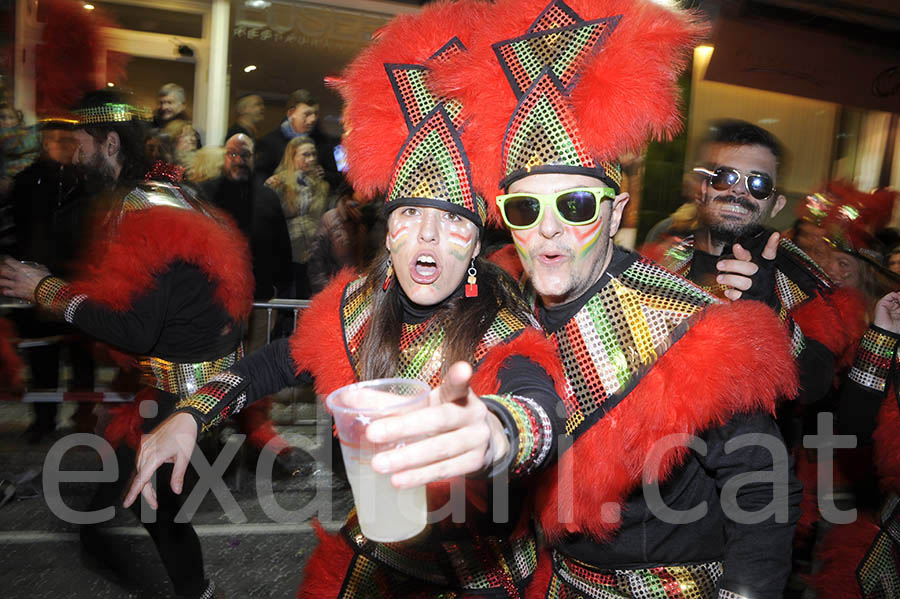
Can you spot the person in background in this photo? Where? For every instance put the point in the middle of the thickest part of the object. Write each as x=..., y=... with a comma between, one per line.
x=171, y=105
x=250, y=111
x=347, y=237
x=206, y=164
x=301, y=116
x=304, y=199
x=185, y=141
x=893, y=260
x=158, y=148
x=258, y=214
x=19, y=147
x=50, y=212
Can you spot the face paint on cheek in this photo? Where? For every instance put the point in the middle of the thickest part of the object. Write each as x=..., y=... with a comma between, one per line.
x=586, y=237
x=398, y=237
x=521, y=239
x=460, y=244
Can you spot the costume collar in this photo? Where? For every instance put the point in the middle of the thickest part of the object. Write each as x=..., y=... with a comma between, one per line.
x=552, y=319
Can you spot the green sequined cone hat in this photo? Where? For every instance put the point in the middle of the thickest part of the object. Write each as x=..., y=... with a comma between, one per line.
x=402, y=138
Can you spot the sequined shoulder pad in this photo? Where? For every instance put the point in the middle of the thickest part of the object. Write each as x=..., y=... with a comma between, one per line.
x=356, y=310
x=506, y=327
x=797, y=278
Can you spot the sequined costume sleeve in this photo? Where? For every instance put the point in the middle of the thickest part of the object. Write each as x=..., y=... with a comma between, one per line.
x=527, y=405
x=757, y=555
x=175, y=318
x=867, y=384
x=262, y=373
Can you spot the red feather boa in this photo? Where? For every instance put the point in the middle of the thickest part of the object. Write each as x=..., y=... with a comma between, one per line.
x=327, y=566
x=721, y=367
x=507, y=258
x=842, y=549
x=118, y=269
x=837, y=321
x=887, y=444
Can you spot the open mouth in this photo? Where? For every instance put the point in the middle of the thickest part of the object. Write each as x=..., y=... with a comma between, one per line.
x=425, y=269
x=550, y=257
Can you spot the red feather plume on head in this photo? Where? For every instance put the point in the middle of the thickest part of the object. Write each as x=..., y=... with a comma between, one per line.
x=627, y=91
x=374, y=122
x=70, y=54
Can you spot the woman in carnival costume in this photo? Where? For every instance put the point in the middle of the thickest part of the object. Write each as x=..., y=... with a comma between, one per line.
x=424, y=305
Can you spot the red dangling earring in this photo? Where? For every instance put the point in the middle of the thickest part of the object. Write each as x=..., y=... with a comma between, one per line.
x=389, y=277
x=472, y=282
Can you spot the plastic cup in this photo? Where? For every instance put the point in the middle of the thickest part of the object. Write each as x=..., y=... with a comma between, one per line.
x=386, y=514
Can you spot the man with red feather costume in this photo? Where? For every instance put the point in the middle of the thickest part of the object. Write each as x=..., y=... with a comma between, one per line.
x=427, y=303
x=862, y=559
x=165, y=277
x=553, y=93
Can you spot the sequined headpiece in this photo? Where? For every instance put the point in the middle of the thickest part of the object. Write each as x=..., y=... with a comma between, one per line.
x=401, y=137
x=109, y=114
x=567, y=87
x=850, y=218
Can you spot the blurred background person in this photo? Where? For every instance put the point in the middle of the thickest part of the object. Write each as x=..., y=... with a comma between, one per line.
x=171, y=105
x=893, y=260
x=250, y=112
x=18, y=148
x=847, y=221
x=206, y=164
x=158, y=147
x=304, y=199
x=51, y=208
x=258, y=214
x=347, y=237
x=185, y=142
x=301, y=116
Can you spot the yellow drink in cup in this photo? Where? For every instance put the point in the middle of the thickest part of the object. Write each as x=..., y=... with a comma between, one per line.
x=386, y=514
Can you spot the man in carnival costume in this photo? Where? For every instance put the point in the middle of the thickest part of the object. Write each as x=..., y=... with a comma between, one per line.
x=733, y=254
x=862, y=559
x=553, y=93
x=165, y=278
x=428, y=303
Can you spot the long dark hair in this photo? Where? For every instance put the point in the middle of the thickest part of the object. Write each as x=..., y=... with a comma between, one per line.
x=466, y=318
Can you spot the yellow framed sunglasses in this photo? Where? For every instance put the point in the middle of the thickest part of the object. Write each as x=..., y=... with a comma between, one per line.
x=579, y=206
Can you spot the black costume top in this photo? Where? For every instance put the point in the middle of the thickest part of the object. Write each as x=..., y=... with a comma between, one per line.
x=165, y=279
x=647, y=355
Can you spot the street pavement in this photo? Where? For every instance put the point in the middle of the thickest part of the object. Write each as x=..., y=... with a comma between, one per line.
x=250, y=549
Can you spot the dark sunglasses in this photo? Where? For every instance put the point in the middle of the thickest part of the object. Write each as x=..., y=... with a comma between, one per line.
x=759, y=185
x=579, y=206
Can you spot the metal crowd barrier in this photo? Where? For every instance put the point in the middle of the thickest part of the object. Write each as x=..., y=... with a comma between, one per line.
x=112, y=396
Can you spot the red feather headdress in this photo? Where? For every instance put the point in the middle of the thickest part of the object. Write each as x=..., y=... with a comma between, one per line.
x=70, y=54
x=568, y=86
x=400, y=136
x=851, y=217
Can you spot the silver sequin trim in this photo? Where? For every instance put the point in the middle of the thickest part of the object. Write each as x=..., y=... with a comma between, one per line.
x=72, y=306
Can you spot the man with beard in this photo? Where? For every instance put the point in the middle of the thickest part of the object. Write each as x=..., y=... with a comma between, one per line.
x=164, y=278
x=734, y=255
